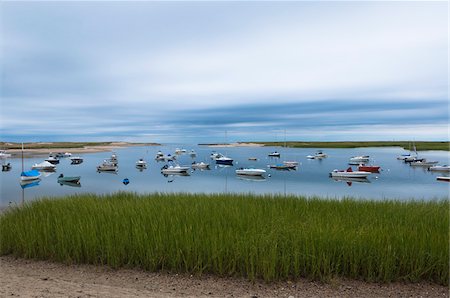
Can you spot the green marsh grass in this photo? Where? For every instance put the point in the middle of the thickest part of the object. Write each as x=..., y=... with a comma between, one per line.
x=267, y=237
x=421, y=145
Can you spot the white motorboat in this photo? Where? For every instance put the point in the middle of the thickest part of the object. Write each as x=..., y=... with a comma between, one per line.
x=67, y=154
x=76, y=160
x=193, y=153
x=107, y=166
x=361, y=158
x=141, y=163
x=291, y=163
x=30, y=175
x=3, y=154
x=275, y=154
x=53, y=160
x=250, y=172
x=45, y=166
x=423, y=163
x=200, y=165
x=223, y=160
x=177, y=169
x=318, y=155
x=444, y=168
x=349, y=173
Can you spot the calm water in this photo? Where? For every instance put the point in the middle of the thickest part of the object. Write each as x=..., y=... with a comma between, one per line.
x=397, y=180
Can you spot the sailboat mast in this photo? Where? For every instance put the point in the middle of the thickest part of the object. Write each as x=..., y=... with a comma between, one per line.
x=22, y=156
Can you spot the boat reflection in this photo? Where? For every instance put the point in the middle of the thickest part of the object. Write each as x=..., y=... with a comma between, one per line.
x=251, y=178
x=28, y=184
x=69, y=183
x=349, y=180
x=175, y=174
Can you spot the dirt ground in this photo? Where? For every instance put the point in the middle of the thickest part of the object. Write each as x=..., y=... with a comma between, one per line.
x=28, y=278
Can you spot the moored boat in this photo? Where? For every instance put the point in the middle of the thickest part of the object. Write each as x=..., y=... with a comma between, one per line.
x=45, y=166
x=275, y=154
x=291, y=163
x=141, y=163
x=6, y=167
x=200, y=165
x=223, y=160
x=282, y=167
x=30, y=175
x=76, y=160
x=3, y=154
x=443, y=178
x=444, y=168
x=361, y=158
x=177, y=169
x=107, y=166
x=423, y=163
x=53, y=160
x=72, y=179
x=369, y=168
x=349, y=173
x=250, y=172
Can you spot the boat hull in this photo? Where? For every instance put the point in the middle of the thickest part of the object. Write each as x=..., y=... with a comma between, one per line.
x=372, y=169
x=250, y=172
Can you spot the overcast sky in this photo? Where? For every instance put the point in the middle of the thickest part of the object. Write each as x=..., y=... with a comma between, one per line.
x=189, y=71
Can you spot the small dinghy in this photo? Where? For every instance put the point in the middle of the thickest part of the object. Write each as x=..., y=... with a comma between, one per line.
x=72, y=179
x=6, y=167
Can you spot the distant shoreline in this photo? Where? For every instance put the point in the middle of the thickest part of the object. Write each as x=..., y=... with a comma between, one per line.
x=49, y=147
x=420, y=145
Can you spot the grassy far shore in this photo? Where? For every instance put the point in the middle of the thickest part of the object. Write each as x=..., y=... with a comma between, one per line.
x=405, y=145
x=273, y=238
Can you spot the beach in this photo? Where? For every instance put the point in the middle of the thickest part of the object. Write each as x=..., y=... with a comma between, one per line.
x=53, y=148
x=30, y=278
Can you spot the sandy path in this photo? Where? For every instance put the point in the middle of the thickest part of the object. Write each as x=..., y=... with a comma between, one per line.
x=25, y=278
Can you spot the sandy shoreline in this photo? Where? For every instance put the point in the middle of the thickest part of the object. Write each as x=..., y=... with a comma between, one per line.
x=28, y=278
x=86, y=149
x=233, y=145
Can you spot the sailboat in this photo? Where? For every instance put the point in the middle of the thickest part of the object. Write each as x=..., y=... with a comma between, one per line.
x=28, y=175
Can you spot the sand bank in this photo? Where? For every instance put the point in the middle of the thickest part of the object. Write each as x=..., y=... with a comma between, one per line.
x=27, y=278
x=85, y=149
x=233, y=145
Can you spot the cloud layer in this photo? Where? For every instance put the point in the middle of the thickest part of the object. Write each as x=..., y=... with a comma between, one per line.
x=182, y=72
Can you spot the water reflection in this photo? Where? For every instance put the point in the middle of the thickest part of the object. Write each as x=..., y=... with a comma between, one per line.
x=251, y=178
x=31, y=183
x=69, y=183
x=350, y=180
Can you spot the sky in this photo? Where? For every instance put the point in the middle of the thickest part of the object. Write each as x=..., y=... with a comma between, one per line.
x=205, y=72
